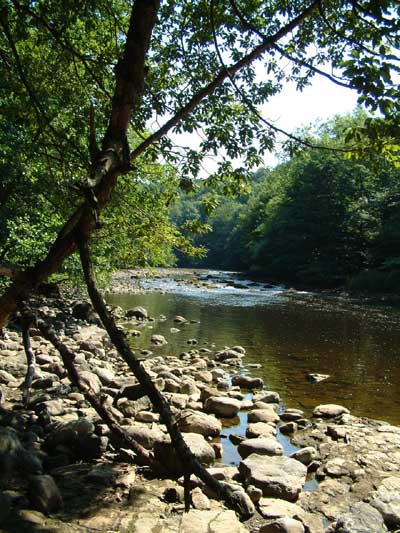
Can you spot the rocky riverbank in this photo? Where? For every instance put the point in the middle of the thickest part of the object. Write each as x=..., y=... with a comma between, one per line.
x=61, y=469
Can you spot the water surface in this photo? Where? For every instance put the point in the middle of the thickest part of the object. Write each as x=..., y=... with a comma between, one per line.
x=289, y=334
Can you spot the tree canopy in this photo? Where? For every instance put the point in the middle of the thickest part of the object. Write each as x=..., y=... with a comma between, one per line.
x=90, y=92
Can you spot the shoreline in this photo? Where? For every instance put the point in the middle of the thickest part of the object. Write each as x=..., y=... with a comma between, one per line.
x=354, y=459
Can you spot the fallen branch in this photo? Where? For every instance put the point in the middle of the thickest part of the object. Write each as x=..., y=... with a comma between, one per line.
x=143, y=456
x=234, y=499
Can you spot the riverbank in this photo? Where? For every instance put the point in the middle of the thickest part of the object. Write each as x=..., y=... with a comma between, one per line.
x=65, y=473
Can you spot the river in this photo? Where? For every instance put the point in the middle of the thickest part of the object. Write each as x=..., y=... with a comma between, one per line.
x=290, y=334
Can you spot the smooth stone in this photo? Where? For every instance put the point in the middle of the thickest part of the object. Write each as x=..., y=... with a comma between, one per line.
x=386, y=499
x=283, y=525
x=44, y=494
x=316, y=378
x=260, y=446
x=260, y=429
x=137, y=312
x=200, y=500
x=291, y=415
x=305, y=455
x=222, y=406
x=198, y=422
x=145, y=436
x=215, y=521
x=263, y=415
x=164, y=451
x=361, y=518
x=247, y=382
x=330, y=410
x=278, y=477
x=267, y=396
x=288, y=428
x=158, y=340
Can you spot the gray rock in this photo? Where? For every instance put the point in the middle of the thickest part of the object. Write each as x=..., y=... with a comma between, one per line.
x=260, y=429
x=387, y=501
x=278, y=477
x=260, y=446
x=291, y=415
x=164, y=452
x=222, y=406
x=263, y=415
x=137, y=312
x=158, y=340
x=361, y=518
x=283, y=525
x=44, y=494
x=305, y=455
x=145, y=436
x=197, y=422
x=329, y=410
x=215, y=521
x=267, y=396
x=247, y=382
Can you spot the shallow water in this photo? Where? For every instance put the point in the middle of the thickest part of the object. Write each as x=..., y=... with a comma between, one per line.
x=289, y=334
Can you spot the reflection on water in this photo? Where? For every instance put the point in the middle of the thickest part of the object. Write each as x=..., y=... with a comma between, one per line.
x=290, y=335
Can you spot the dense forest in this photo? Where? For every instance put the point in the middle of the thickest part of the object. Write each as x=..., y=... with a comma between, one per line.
x=322, y=218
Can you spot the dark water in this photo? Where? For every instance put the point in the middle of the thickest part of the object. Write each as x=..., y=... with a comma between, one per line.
x=290, y=335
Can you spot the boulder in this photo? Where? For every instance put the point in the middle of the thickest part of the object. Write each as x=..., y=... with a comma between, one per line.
x=263, y=415
x=216, y=521
x=277, y=477
x=260, y=446
x=267, y=396
x=222, y=406
x=387, y=501
x=145, y=435
x=164, y=452
x=85, y=311
x=197, y=422
x=247, y=382
x=329, y=410
x=361, y=518
x=260, y=429
x=291, y=415
x=158, y=340
x=137, y=312
x=44, y=494
x=305, y=455
x=282, y=525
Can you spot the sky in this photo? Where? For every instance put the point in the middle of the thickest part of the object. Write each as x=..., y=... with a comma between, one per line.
x=290, y=110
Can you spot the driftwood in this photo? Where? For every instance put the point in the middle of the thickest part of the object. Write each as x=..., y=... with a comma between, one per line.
x=234, y=499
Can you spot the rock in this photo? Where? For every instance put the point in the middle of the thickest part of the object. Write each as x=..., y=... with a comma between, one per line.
x=200, y=500
x=267, y=396
x=92, y=381
x=137, y=312
x=288, y=428
x=78, y=437
x=247, y=382
x=263, y=415
x=179, y=319
x=222, y=406
x=158, y=340
x=278, y=477
x=260, y=429
x=291, y=415
x=316, y=378
x=164, y=451
x=239, y=349
x=387, y=501
x=283, y=525
x=254, y=493
x=204, y=376
x=216, y=521
x=174, y=330
x=228, y=355
x=147, y=416
x=146, y=436
x=14, y=458
x=52, y=407
x=361, y=518
x=174, y=494
x=197, y=422
x=85, y=311
x=260, y=446
x=329, y=410
x=44, y=494
x=305, y=455
x=6, y=378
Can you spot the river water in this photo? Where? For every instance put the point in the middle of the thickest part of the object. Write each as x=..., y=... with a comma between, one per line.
x=289, y=334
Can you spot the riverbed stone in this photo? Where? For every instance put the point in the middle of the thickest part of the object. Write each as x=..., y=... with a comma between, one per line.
x=260, y=446
x=278, y=477
x=329, y=410
x=282, y=525
x=164, y=452
x=197, y=422
x=213, y=521
x=247, y=382
x=158, y=340
x=263, y=415
x=260, y=429
x=146, y=436
x=291, y=415
x=267, y=396
x=386, y=499
x=222, y=406
x=305, y=455
x=44, y=494
x=361, y=518
x=137, y=312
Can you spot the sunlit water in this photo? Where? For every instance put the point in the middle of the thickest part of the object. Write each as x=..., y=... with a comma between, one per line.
x=289, y=334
